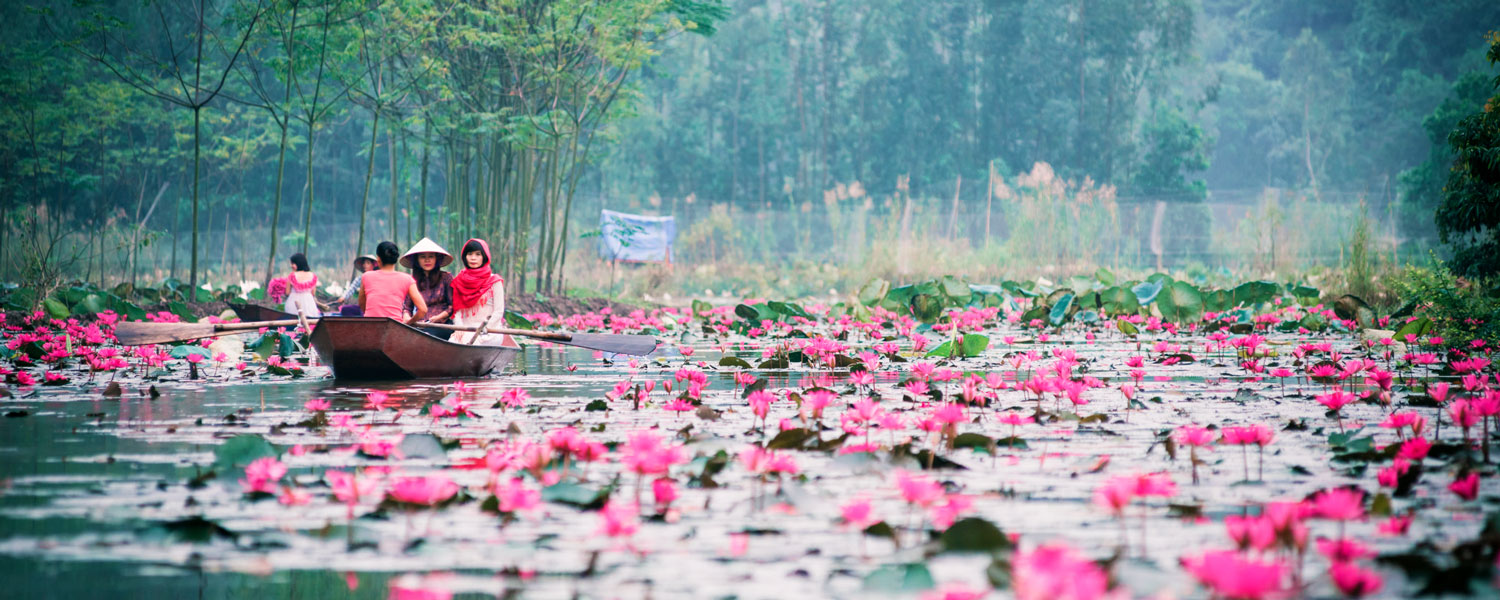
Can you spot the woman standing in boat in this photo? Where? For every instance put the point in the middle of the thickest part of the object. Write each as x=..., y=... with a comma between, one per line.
x=478, y=293
x=301, y=283
x=426, y=260
x=383, y=293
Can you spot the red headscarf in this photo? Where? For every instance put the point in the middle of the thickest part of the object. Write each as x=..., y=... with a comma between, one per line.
x=471, y=288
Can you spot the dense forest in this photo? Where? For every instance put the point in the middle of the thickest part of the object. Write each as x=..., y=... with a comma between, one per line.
x=208, y=139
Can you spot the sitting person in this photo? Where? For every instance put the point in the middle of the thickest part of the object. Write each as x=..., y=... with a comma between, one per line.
x=384, y=292
x=479, y=293
x=426, y=260
x=362, y=264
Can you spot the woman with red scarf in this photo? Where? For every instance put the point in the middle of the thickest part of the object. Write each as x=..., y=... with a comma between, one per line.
x=477, y=294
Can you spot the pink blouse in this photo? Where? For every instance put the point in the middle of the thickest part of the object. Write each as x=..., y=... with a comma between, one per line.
x=385, y=293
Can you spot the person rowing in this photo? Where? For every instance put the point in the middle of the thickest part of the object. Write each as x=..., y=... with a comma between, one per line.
x=479, y=294
x=385, y=291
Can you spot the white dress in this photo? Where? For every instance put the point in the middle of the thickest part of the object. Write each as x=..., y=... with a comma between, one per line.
x=301, y=301
x=495, y=303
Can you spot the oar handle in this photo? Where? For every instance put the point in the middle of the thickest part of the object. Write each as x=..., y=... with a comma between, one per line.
x=531, y=333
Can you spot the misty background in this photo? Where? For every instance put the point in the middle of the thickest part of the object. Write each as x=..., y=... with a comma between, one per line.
x=802, y=145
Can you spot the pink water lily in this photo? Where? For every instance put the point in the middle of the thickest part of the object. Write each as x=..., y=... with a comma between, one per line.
x=262, y=475
x=1231, y=575
x=424, y=491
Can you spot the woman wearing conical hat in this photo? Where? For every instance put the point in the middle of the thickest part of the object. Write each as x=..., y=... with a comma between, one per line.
x=478, y=293
x=426, y=260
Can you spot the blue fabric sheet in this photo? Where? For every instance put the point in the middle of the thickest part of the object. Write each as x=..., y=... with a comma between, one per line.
x=623, y=236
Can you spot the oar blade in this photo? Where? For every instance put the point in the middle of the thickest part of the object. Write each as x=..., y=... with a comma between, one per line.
x=140, y=333
x=634, y=345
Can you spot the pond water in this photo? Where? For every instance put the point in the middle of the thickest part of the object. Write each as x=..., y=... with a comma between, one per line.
x=132, y=496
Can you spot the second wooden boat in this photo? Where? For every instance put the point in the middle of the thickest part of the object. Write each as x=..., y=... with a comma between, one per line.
x=380, y=348
x=256, y=312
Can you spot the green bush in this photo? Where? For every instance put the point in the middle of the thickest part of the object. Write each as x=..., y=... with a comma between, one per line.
x=1461, y=309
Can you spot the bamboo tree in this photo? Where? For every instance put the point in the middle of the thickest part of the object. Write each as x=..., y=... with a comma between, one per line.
x=280, y=113
x=188, y=88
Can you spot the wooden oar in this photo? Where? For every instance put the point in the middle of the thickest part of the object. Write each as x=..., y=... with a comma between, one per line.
x=136, y=333
x=613, y=343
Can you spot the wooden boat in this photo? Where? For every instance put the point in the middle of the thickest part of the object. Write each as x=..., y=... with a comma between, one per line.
x=381, y=348
x=256, y=312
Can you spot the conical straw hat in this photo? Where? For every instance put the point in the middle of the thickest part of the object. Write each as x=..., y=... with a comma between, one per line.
x=409, y=260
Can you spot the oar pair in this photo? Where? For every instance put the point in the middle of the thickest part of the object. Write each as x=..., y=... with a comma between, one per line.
x=137, y=333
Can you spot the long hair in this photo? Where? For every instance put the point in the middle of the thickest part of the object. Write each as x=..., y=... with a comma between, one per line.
x=388, y=253
x=300, y=262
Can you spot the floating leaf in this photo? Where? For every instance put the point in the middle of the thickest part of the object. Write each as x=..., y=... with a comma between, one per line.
x=926, y=308
x=241, y=450
x=514, y=320
x=197, y=530
x=422, y=445
x=780, y=362
x=90, y=305
x=182, y=311
x=734, y=361
x=1181, y=303
x=1254, y=293
x=187, y=350
x=789, y=309
x=1305, y=295
x=1419, y=328
x=585, y=497
x=1104, y=276
x=977, y=441
x=791, y=439
x=55, y=308
x=873, y=291
x=974, y=534
x=1119, y=301
x=902, y=578
x=882, y=529
x=1059, y=312
x=1146, y=292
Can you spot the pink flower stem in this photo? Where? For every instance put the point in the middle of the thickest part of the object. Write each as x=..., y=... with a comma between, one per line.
x=1245, y=460
x=1260, y=465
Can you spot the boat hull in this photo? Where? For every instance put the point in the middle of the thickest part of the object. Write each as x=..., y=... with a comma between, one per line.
x=370, y=348
x=256, y=312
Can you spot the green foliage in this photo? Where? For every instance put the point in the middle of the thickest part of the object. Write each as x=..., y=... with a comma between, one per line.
x=1180, y=302
x=1360, y=269
x=1175, y=147
x=241, y=450
x=1422, y=185
x=1459, y=309
x=1469, y=216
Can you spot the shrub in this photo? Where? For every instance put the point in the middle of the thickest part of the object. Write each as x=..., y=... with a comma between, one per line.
x=1461, y=309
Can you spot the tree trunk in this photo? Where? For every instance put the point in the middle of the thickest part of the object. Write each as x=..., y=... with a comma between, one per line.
x=364, y=201
x=276, y=204
x=197, y=157
x=307, y=206
x=426, y=153
x=390, y=152
x=176, y=222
